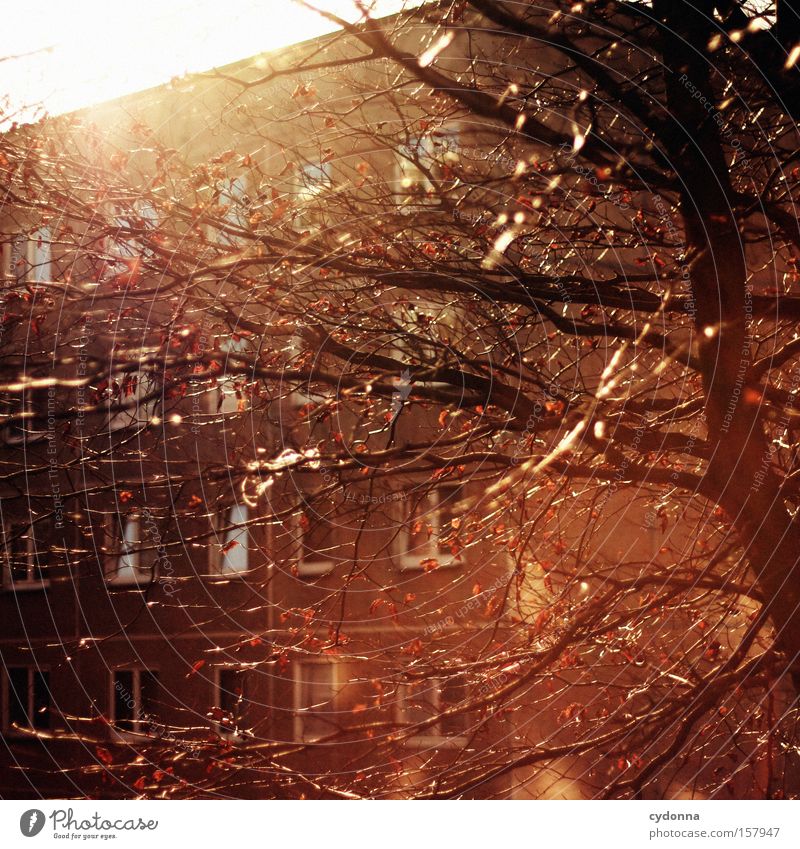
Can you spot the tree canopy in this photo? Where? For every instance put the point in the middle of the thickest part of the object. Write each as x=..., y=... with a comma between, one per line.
x=541, y=257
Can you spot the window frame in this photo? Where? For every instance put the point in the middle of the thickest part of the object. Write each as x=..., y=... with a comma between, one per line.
x=425, y=149
x=313, y=179
x=237, y=733
x=413, y=562
x=131, y=246
x=434, y=735
x=32, y=566
x=139, y=718
x=30, y=401
x=217, y=399
x=221, y=519
x=35, y=243
x=30, y=706
x=114, y=552
x=233, y=193
x=301, y=712
x=298, y=397
x=309, y=568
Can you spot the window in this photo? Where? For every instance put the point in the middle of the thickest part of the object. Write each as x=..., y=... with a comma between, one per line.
x=26, y=702
x=231, y=394
x=315, y=688
x=318, y=540
x=33, y=402
x=135, y=700
x=424, y=542
x=424, y=701
x=425, y=333
x=27, y=258
x=131, y=235
x=314, y=180
x=236, y=208
x=230, y=701
x=230, y=547
x=419, y=163
x=127, y=564
x=302, y=391
x=23, y=560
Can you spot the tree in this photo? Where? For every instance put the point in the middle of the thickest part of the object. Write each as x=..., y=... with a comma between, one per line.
x=576, y=297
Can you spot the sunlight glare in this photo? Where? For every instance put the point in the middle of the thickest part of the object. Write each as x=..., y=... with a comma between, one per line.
x=64, y=56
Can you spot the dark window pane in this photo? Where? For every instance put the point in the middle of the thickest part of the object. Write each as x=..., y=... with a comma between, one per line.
x=18, y=697
x=31, y=401
x=421, y=520
x=453, y=694
x=450, y=504
x=18, y=552
x=318, y=533
x=19, y=264
x=419, y=702
x=318, y=699
x=41, y=699
x=149, y=540
x=232, y=697
x=124, y=699
x=149, y=695
x=231, y=690
x=16, y=429
x=44, y=536
x=36, y=402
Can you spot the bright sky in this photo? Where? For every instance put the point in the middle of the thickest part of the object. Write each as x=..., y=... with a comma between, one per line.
x=66, y=54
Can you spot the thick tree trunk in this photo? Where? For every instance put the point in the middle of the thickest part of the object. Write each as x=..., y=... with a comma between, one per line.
x=740, y=473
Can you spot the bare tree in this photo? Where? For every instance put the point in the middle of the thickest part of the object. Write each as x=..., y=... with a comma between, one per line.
x=510, y=286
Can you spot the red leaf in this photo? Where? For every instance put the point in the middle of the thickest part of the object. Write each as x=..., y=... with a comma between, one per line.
x=196, y=667
x=415, y=648
x=280, y=211
x=304, y=90
x=224, y=157
x=131, y=276
x=105, y=756
x=541, y=620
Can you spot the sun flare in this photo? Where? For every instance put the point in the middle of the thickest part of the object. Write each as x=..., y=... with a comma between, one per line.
x=90, y=51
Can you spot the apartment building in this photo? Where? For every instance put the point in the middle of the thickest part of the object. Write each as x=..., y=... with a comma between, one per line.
x=142, y=618
x=166, y=622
